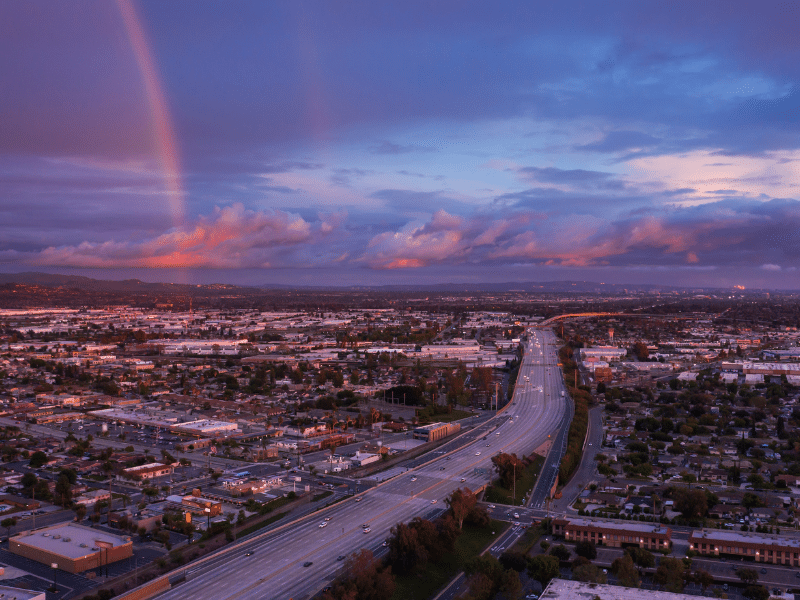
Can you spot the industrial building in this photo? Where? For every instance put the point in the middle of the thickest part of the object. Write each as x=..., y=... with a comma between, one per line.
x=74, y=548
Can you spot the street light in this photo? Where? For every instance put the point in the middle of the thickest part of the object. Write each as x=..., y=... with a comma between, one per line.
x=208, y=518
x=54, y=566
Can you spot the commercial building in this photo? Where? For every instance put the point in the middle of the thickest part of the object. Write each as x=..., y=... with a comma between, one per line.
x=759, y=547
x=561, y=589
x=74, y=548
x=436, y=431
x=12, y=593
x=603, y=353
x=145, y=472
x=614, y=534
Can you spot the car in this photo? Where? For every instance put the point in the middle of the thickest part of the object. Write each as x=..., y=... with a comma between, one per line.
x=413, y=479
x=763, y=571
x=323, y=524
x=441, y=468
x=498, y=433
x=433, y=501
x=385, y=543
x=725, y=587
x=359, y=499
x=365, y=525
x=605, y=571
x=487, y=445
x=477, y=454
x=308, y=563
x=516, y=515
x=463, y=479
x=492, y=506
x=327, y=518
x=367, y=530
x=248, y=554
x=340, y=557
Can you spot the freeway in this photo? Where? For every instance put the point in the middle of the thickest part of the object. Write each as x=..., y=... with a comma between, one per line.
x=297, y=560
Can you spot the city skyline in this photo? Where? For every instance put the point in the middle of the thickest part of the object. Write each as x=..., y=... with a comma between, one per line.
x=385, y=143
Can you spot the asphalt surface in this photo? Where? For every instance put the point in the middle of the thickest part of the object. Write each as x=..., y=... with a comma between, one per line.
x=275, y=567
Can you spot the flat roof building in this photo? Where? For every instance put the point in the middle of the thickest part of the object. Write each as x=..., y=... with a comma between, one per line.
x=561, y=589
x=614, y=534
x=760, y=547
x=74, y=548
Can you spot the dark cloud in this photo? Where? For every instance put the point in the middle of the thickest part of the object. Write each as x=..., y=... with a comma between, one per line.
x=573, y=177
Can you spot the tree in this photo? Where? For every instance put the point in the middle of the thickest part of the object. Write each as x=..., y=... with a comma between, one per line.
x=642, y=557
x=543, y=568
x=625, y=571
x=510, y=585
x=63, y=491
x=756, y=592
x=461, y=503
x=671, y=574
x=509, y=468
x=561, y=552
x=38, y=459
x=748, y=576
x=704, y=578
x=692, y=504
x=586, y=549
x=364, y=579
x=8, y=523
x=80, y=512
x=587, y=572
x=405, y=550
x=513, y=559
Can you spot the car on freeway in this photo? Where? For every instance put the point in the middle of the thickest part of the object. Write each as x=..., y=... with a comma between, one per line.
x=323, y=524
x=359, y=499
x=433, y=501
x=516, y=515
x=463, y=479
x=492, y=506
x=413, y=479
x=248, y=554
x=477, y=454
x=385, y=543
x=308, y=563
x=340, y=557
x=367, y=530
x=327, y=518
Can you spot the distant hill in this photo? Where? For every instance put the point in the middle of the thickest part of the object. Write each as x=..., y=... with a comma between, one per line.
x=136, y=286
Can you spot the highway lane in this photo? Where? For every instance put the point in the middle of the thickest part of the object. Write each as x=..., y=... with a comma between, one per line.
x=271, y=565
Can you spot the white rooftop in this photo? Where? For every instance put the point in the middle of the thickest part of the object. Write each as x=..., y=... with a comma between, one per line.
x=70, y=540
x=579, y=590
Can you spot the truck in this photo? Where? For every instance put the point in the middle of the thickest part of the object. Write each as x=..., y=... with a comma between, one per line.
x=562, y=393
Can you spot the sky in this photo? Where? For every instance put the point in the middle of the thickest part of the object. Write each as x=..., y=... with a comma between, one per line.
x=409, y=142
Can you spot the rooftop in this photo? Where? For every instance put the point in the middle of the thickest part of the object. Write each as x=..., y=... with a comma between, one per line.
x=70, y=540
x=738, y=536
x=579, y=590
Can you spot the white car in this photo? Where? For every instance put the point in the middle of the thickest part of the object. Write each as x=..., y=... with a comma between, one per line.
x=323, y=524
x=433, y=501
x=413, y=479
x=367, y=530
x=477, y=454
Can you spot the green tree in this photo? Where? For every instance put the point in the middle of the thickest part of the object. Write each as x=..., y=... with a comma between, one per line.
x=625, y=571
x=543, y=568
x=38, y=459
x=747, y=576
x=586, y=549
x=671, y=574
x=561, y=552
x=8, y=523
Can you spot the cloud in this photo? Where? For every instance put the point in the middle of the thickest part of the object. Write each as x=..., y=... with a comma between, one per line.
x=572, y=178
x=231, y=237
x=617, y=141
x=386, y=147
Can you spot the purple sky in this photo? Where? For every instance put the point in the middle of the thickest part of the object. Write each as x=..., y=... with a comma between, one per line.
x=402, y=142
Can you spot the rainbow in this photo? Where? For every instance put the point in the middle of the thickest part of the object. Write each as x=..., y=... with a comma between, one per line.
x=164, y=133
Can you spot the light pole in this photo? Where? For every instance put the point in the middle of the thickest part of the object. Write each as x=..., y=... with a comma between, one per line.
x=208, y=518
x=54, y=566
